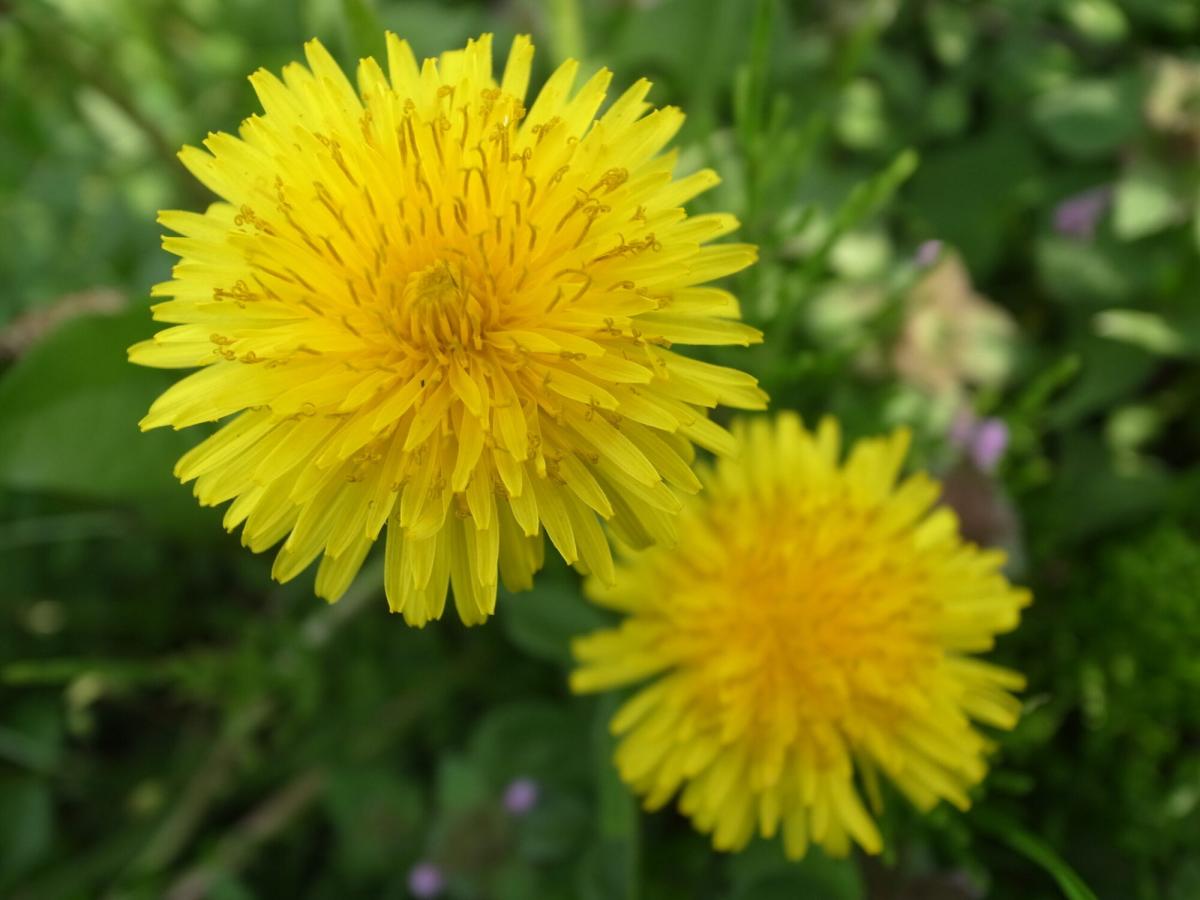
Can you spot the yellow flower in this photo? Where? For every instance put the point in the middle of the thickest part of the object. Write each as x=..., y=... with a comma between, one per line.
x=430, y=308
x=817, y=619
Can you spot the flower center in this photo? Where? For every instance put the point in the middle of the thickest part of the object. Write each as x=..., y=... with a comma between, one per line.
x=439, y=312
x=821, y=619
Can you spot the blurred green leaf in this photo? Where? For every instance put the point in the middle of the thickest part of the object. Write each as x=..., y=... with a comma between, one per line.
x=971, y=193
x=1108, y=372
x=762, y=871
x=1147, y=200
x=749, y=81
x=536, y=739
x=542, y=621
x=1090, y=496
x=951, y=29
x=461, y=785
x=566, y=20
x=1151, y=332
x=553, y=831
x=515, y=882
x=432, y=27
x=26, y=825
x=375, y=812
x=1131, y=427
x=861, y=121
x=68, y=421
x=365, y=31
x=32, y=735
x=1100, y=21
x=1085, y=273
x=1089, y=118
x=947, y=110
x=610, y=868
x=228, y=887
x=866, y=199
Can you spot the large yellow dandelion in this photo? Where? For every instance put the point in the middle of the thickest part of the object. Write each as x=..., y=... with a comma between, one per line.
x=817, y=620
x=430, y=308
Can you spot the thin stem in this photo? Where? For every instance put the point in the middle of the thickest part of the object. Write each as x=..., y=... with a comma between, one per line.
x=566, y=29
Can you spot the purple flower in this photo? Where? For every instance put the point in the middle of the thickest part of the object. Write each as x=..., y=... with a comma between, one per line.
x=521, y=796
x=983, y=440
x=425, y=880
x=1076, y=217
x=991, y=440
x=927, y=253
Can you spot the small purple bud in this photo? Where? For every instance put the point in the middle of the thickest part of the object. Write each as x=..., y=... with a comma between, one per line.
x=983, y=441
x=927, y=253
x=1077, y=217
x=989, y=444
x=425, y=880
x=521, y=796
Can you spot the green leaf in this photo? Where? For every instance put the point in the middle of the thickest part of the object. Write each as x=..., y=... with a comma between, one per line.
x=861, y=122
x=26, y=825
x=749, y=84
x=947, y=110
x=1108, y=373
x=515, y=881
x=542, y=621
x=1100, y=21
x=374, y=812
x=610, y=869
x=566, y=21
x=549, y=743
x=1088, y=478
x=433, y=27
x=1146, y=201
x=762, y=872
x=538, y=739
x=31, y=735
x=976, y=214
x=365, y=31
x=1147, y=330
x=69, y=411
x=865, y=200
x=1082, y=272
x=1090, y=118
x=227, y=886
x=555, y=829
x=951, y=32
x=461, y=785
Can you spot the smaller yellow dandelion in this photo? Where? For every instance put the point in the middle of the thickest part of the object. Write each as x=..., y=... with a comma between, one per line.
x=814, y=628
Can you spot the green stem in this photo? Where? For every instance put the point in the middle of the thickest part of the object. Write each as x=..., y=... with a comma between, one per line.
x=566, y=29
x=1036, y=850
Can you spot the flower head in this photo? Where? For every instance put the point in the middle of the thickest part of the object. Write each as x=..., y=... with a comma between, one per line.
x=432, y=308
x=817, y=620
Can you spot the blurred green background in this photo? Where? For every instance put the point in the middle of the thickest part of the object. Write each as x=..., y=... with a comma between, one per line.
x=969, y=213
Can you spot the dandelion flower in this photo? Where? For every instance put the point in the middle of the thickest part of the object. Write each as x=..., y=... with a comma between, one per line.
x=814, y=629
x=429, y=308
